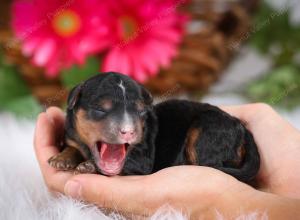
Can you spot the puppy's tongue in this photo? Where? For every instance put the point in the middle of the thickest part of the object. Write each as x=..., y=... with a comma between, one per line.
x=112, y=157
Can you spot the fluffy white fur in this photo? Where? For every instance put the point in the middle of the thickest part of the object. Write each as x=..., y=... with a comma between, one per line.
x=23, y=194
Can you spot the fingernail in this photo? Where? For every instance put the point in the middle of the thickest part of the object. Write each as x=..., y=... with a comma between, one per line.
x=73, y=189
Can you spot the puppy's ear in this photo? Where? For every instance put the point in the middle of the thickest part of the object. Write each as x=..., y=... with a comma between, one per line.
x=148, y=99
x=74, y=96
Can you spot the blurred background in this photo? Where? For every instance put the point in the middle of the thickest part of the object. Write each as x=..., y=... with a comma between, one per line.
x=221, y=52
x=224, y=52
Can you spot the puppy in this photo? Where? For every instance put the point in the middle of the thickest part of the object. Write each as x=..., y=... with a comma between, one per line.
x=110, y=128
x=113, y=128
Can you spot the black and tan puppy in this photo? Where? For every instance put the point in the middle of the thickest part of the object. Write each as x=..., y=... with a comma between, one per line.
x=112, y=128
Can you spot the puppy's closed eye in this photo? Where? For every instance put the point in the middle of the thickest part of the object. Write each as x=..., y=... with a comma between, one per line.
x=101, y=109
x=96, y=114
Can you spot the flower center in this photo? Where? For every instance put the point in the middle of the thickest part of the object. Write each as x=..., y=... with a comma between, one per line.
x=66, y=23
x=128, y=27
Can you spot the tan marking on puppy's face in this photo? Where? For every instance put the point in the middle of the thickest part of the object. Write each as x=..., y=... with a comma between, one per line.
x=105, y=130
x=74, y=144
x=190, y=145
x=88, y=131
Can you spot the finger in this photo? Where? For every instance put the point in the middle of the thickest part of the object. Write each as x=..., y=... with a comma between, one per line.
x=120, y=193
x=44, y=148
x=259, y=116
x=44, y=141
x=57, y=116
x=57, y=180
x=44, y=138
x=239, y=111
x=48, y=124
x=250, y=114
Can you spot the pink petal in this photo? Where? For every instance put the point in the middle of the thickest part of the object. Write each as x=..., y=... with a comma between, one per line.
x=111, y=61
x=30, y=46
x=161, y=52
x=124, y=62
x=167, y=34
x=24, y=17
x=148, y=60
x=93, y=44
x=52, y=70
x=138, y=72
x=44, y=52
x=76, y=53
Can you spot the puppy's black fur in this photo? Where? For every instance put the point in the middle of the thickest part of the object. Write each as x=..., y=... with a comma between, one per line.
x=222, y=136
x=175, y=132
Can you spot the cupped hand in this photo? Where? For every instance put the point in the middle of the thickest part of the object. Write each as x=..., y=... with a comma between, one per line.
x=191, y=188
x=279, y=147
x=183, y=187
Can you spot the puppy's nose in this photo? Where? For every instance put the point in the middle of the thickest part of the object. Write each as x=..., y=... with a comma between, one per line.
x=127, y=134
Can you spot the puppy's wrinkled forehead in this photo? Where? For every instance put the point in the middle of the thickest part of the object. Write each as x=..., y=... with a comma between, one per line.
x=112, y=87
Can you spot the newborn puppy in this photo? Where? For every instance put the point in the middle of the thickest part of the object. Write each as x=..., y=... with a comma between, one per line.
x=112, y=128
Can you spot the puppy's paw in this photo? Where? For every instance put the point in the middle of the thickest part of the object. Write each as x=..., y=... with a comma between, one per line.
x=86, y=167
x=62, y=163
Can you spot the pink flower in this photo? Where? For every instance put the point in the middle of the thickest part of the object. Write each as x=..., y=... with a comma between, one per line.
x=144, y=35
x=59, y=33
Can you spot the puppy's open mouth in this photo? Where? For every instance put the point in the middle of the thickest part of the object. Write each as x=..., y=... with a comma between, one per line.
x=111, y=157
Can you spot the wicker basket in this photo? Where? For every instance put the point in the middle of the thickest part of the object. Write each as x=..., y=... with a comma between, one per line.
x=217, y=26
x=205, y=51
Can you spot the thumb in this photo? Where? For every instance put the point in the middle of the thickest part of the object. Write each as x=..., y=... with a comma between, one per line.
x=121, y=193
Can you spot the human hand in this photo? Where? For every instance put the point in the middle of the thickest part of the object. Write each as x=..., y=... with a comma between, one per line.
x=184, y=186
x=279, y=147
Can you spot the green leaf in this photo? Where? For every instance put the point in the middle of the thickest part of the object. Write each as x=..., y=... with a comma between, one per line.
x=11, y=85
x=261, y=28
x=274, y=27
x=275, y=36
x=77, y=74
x=15, y=96
x=279, y=87
x=26, y=106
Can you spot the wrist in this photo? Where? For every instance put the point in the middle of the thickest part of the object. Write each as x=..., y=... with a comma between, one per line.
x=246, y=201
x=230, y=202
x=240, y=201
